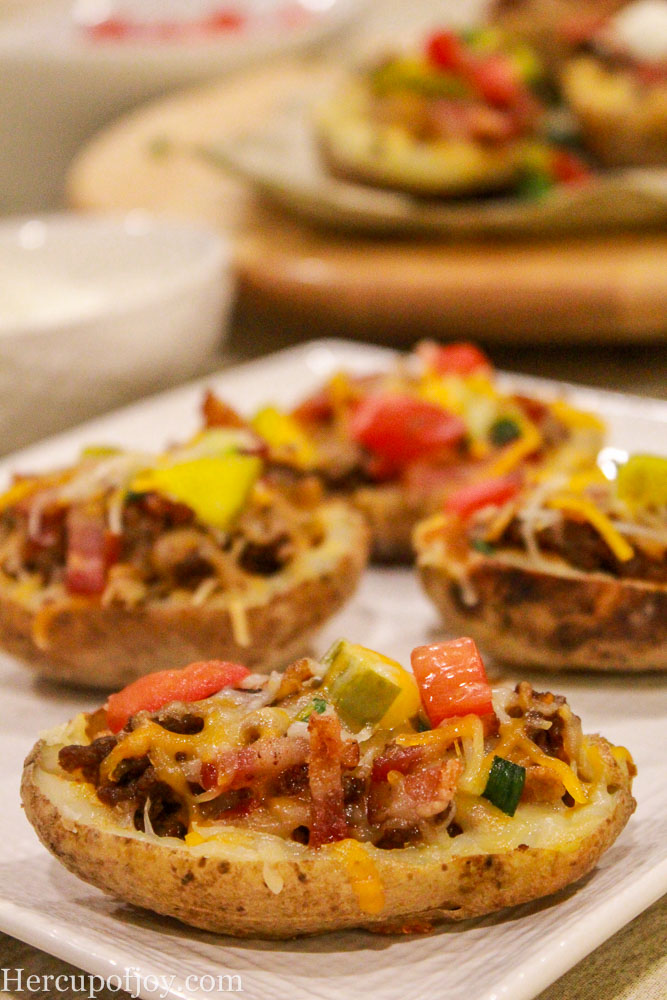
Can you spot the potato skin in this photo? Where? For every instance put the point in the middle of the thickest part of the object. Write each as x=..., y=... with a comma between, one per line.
x=231, y=897
x=622, y=130
x=88, y=645
x=565, y=620
x=391, y=516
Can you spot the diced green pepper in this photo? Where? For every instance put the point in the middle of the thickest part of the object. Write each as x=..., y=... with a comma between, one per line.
x=503, y=431
x=505, y=785
x=481, y=545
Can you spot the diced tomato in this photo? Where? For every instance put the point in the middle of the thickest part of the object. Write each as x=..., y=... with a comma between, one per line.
x=452, y=680
x=489, y=492
x=496, y=79
x=453, y=359
x=111, y=29
x=91, y=550
x=153, y=691
x=224, y=20
x=445, y=50
x=401, y=428
x=568, y=168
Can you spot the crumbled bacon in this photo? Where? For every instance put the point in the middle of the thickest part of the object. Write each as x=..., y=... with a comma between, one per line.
x=421, y=794
x=217, y=413
x=91, y=550
x=328, y=822
x=264, y=759
x=395, y=758
x=294, y=677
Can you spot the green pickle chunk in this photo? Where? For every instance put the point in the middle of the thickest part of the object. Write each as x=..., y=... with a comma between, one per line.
x=357, y=684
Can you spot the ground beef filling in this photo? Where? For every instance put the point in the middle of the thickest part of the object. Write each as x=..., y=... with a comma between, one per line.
x=579, y=544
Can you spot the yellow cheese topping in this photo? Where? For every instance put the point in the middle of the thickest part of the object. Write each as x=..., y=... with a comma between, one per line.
x=602, y=524
x=576, y=419
x=514, y=453
x=362, y=874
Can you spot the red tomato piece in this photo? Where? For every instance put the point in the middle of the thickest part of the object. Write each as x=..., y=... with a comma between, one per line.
x=401, y=428
x=489, y=492
x=112, y=29
x=568, y=168
x=496, y=79
x=153, y=691
x=453, y=359
x=224, y=20
x=445, y=50
x=452, y=680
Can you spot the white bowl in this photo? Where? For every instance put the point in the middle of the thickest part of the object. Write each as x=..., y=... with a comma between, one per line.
x=58, y=86
x=96, y=311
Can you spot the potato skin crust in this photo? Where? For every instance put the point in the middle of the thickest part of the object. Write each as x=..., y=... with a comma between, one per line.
x=231, y=897
x=563, y=621
x=92, y=646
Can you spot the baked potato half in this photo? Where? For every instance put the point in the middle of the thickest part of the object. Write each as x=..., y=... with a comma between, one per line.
x=459, y=117
x=124, y=563
x=346, y=794
x=571, y=575
x=396, y=443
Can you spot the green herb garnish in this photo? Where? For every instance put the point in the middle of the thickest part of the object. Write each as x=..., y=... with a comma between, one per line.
x=505, y=785
x=480, y=545
x=503, y=431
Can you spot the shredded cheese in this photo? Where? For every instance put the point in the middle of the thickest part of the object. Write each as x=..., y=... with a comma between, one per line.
x=239, y=619
x=362, y=874
x=602, y=524
x=514, y=453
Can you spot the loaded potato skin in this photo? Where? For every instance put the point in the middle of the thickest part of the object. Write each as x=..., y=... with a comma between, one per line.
x=396, y=443
x=349, y=818
x=570, y=574
x=125, y=563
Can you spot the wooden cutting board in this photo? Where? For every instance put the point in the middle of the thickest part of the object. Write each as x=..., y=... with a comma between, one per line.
x=610, y=288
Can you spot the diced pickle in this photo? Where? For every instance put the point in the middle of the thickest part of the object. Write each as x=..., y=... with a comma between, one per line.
x=368, y=688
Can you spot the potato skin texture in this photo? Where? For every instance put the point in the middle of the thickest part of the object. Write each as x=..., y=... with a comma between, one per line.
x=230, y=897
x=556, y=621
x=88, y=645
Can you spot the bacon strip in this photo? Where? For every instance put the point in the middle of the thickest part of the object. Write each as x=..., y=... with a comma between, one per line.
x=395, y=758
x=420, y=795
x=91, y=550
x=328, y=823
x=217, y=413
x=266, y=758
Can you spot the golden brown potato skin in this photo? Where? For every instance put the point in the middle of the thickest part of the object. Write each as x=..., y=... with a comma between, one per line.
x=230, y=897
x=623, y=124
x=88, y=645
x=565, y=620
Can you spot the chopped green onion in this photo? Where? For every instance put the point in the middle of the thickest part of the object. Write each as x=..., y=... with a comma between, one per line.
x=534, y=184
x=317, y=705
x=504, y=430
x=505, y=785
x=480, y=545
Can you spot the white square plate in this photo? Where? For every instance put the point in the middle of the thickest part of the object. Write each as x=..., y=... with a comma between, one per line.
x=513, y=955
